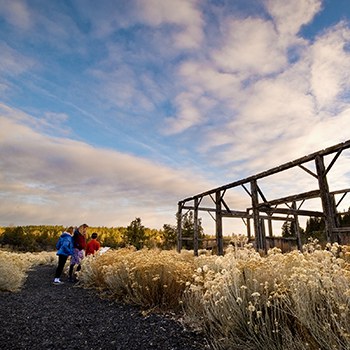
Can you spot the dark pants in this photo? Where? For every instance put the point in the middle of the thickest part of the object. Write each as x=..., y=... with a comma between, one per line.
x=61, y=262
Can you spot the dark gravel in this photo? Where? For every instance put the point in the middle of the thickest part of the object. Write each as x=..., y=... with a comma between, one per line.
x=45, y=316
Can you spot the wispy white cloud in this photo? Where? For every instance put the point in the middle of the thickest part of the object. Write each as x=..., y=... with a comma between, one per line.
x=12, y=62
x=251, y=46
x=182, y=13
x=17, y=13
x=290, y=16
x=74, y=180
x=330, y=67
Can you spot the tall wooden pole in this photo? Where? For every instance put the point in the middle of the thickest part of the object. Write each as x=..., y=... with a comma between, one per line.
x=326, y=199
x=296, y=226
x=179, y=227
x=218, y=212
x=195, y=227
x=269, y=221
x=255, y=202
x=249, y=231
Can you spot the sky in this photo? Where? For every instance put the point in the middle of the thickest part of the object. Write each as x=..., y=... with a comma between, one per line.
x=113, y=110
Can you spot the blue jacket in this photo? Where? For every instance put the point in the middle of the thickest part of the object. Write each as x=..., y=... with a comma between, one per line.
x=65, y=244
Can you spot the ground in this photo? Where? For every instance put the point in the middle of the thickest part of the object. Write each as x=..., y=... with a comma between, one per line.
x=46, y=316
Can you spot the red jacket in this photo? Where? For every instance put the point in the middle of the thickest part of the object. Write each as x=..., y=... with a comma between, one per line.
x=92, y=247
x=79, y=240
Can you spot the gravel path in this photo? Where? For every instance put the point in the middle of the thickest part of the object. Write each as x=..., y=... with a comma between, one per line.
x=45, y=316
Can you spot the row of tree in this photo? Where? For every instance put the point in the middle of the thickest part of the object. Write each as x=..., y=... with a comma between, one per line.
x=315, y=228
x=39, y=238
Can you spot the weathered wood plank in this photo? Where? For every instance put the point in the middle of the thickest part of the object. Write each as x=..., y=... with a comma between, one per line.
x=286, y=211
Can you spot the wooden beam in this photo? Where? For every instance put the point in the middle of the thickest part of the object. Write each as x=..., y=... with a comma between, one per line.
x=341, y=229
x=307, y=170
x=296, y=197
x=275, y=218
x=333, y=161
x=346, y=190
x=292, y=211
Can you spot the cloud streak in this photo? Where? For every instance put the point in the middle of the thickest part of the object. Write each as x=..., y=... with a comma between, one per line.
x=57, y=175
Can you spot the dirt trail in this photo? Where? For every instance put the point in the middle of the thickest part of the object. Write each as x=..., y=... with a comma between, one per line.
x=45, y=316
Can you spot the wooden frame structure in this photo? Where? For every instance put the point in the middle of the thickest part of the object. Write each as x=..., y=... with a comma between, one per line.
x=262, y=210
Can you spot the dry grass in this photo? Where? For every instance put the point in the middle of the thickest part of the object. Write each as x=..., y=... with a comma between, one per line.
x=149, y=278
x=14, y=267
x=282, y=301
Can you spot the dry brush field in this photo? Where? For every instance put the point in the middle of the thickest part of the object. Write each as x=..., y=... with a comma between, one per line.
x=242, y=300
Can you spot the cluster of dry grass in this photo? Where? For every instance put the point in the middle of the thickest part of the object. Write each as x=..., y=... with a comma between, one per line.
x=149, y=278
x=14, y=267
x=281, y=301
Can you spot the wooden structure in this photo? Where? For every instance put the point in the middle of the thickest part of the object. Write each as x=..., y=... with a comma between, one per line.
x=263, y=210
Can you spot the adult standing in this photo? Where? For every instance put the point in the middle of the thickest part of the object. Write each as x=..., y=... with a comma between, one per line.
x=64, y=248
x=79, y=244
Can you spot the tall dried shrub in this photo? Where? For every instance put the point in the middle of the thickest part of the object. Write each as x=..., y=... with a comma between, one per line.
x=282, y=301
x=149, y=278
x=14, y=267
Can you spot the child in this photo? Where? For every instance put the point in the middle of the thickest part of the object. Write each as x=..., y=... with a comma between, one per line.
x=93, y=246
x=65, y=249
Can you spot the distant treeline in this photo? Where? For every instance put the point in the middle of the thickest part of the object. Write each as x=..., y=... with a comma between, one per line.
x=43, y=237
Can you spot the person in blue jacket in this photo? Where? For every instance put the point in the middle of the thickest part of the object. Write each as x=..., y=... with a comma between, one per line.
x=64, y=248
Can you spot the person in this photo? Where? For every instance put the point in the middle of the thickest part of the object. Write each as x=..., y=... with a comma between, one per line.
x=64, y=248
x=93, y=245
x=79, y=245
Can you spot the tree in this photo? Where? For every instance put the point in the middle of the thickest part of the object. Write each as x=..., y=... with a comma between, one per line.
x=287, y=230
x=135, y=234
x=315, y=228
x=188, y=230
x=345, y=219
x=169, y=236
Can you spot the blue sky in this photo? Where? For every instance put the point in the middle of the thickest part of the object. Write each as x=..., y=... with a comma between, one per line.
x=112, y=110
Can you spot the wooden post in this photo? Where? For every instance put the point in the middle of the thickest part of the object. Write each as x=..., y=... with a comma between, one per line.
x=269, y=221
x=255, y=203
x=179, y=228
x=263, y=235
x=338, y=237
x=195, y=227
x=219, y=239
x=249, y=231
x=327, y=203
x=296, y=226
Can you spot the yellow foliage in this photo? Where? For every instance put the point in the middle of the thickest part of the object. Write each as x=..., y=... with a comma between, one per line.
x=14, y=267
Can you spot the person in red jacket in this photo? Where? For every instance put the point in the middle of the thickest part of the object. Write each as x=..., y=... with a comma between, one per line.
x=79, y=245
x=93, y=245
